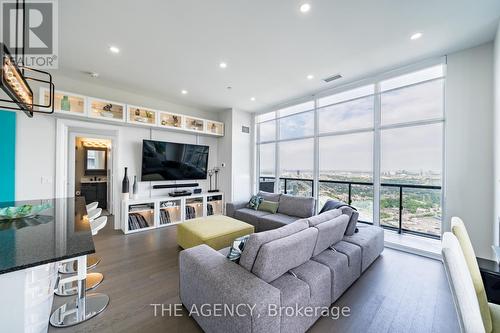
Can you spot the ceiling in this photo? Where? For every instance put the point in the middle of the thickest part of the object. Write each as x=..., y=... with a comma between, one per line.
x=269, y=46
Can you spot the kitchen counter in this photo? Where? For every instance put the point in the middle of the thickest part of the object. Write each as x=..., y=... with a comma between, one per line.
x=61, y=232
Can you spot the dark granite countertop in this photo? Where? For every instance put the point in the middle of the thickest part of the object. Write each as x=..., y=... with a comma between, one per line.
x=489, y=266
x=60, y=232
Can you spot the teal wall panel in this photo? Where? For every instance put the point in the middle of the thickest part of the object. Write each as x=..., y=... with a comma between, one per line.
x=7, y=156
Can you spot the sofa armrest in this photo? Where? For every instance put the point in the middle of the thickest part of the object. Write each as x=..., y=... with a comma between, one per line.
x=231, y=207
x=207, y=277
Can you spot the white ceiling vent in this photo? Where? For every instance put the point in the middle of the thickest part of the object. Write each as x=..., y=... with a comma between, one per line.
x=332, y=78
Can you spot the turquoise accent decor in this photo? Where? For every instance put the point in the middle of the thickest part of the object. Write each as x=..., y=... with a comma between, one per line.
x=8, y=154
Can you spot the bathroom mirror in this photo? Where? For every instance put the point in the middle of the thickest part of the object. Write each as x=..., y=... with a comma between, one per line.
x=95, y=161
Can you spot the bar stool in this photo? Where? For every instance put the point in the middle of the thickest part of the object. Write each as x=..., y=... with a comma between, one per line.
x=83, y=307
x=69, y=286
x=69, y=266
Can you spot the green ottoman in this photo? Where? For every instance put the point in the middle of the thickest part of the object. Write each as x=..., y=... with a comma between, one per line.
x=217, y=231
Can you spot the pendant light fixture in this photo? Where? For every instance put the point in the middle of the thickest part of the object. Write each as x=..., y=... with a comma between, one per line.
x=14, y=80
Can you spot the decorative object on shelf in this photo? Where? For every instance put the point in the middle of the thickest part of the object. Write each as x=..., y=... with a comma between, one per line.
x=216, y=171
x=125, y=186
x=213, y=128
x=197, y=191
x=176, y=121
x=65, y=104
x=210, y=174
x=134, y=188
x=137, y=112
x=11, y=213
x=13, y=78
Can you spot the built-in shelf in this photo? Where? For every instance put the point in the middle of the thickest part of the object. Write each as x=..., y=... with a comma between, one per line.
x=166, y=211
x=108, y=110
x=70, y=104
x=65, y=103
x=140, y=115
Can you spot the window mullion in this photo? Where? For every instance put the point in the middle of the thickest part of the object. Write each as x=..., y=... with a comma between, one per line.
x=376, y=154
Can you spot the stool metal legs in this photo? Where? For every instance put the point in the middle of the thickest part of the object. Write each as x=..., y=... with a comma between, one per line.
x=84, y=306
x=69, y=286
x=71, y=266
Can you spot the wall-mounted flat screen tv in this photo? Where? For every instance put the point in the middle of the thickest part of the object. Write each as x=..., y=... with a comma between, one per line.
x=173, y=161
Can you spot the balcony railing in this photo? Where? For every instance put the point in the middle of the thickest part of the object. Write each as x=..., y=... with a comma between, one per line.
x=405, y=208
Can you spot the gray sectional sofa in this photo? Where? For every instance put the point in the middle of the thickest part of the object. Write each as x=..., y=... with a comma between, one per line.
x=290, y=209
x=306, y=263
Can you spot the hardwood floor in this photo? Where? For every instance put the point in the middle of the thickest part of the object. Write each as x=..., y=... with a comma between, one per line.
x=400, y=292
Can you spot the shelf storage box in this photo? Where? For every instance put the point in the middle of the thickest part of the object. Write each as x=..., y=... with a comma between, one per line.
x=194, y=124
x=215, y=205
x=170, y=120
x=65, y=103
x=106, y=110
x=215, y=127
x=141, y=116
x=141, y=216
x=194, y=208
x=170, y=212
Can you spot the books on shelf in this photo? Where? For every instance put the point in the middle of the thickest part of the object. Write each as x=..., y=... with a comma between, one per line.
x=190, y=212
x=164, y=217
x=136, y=221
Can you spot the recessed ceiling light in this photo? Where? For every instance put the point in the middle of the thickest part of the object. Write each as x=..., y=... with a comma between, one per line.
x=310, y=77
x=252, y=99
x=222, y=65
x=305, y=7
x=114, y=49
x=184, y=92
x=416, y=36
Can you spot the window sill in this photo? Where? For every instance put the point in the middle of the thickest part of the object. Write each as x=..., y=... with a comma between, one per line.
x=426, y=247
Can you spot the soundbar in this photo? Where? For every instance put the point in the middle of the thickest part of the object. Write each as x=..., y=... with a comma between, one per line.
x=175, y=185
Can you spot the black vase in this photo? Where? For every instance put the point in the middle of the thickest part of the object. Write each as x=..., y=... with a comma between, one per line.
x=125, y=183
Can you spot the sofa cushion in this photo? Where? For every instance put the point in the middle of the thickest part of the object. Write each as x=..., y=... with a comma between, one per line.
x=256, y=240
x=274, y=221
x=254, y=202
x=371, y=241
x=268, y=206
x=274, y=197
x=249, y=215
x=323, y=217
x=296, y=206
x=330, y=232
x=353, y=219
x=277, y=257
x=308, y=286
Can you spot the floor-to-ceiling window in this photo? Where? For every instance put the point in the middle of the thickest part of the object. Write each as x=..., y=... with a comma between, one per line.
x=377, y=146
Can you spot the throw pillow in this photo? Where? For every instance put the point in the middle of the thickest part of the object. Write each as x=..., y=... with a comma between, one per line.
x=255, y=202
x=237, y=248
x=268, y=206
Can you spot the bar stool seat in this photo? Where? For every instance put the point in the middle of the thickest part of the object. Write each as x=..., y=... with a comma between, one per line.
x=98, y=224
x=93, y=214
x=92, y=206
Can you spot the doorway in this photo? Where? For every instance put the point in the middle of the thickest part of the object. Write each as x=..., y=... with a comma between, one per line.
x=92, y=171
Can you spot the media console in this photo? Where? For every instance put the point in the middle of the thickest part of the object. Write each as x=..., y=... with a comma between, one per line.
x=161, y=211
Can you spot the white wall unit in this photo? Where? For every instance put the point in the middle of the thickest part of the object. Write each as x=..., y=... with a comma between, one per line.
x=148, y=211
x=106, y=110
x=496, y=222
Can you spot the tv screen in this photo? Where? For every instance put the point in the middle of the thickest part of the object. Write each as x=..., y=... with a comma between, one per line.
x=173, y=161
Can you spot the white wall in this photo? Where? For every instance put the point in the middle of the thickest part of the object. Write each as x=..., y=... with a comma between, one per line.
x=469, y=144
x=235, y=150
x=496, y=180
